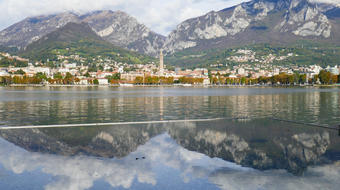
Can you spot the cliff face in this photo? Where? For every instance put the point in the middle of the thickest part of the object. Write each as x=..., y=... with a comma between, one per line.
x=258, y=21
x=124, y=31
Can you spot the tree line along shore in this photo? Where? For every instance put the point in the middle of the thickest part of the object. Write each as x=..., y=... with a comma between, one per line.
x=282, y=79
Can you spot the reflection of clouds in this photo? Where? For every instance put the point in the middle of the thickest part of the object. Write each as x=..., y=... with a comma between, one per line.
x=161, y=152
x=324, y=177
x=76, y=172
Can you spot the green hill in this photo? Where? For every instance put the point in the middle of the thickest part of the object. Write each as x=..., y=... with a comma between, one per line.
x=79, y=39
x=304, y=54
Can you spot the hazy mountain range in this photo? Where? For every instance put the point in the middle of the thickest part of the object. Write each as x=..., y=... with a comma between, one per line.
x=117, y=28
x=277, y=22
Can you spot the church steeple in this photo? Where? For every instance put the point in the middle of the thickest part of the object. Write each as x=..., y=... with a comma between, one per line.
x=161, y=63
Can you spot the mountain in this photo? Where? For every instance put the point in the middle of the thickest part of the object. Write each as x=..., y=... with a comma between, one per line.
x=307, y=29
x=278, y=22
x=32, y=29
x=124, y=31
x=106, y=142
x=262, y=145
x=78, y=38
x=117, y=28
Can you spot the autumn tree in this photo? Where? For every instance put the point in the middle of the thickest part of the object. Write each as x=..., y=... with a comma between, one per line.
x=334, y=79
x=138, y=80
x=325, y=77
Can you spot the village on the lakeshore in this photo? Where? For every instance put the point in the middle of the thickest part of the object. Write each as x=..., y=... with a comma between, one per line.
x=110, y=72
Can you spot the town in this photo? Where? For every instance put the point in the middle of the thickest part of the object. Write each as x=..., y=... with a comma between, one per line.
x=73, y=70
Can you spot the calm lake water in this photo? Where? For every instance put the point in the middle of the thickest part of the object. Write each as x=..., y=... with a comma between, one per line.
x=246, y=149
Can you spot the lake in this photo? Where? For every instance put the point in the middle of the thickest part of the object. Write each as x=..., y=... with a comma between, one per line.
x=244, y=145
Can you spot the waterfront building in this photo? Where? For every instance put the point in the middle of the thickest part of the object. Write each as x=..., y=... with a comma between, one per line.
x=103, y=81
x=4, y=74
x=334, y=70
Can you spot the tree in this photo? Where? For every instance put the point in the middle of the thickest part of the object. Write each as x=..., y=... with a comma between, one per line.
x=290, y=79
x=41, y=76
x=296, y=77
x=116, y=76
x=214, y=80
x=138, y=80
x=68, y=79
x=334, y=79
x=325, y=77
x=114, y=79
x=68, y=76
x=87, y=74
x=243, y=80
x=95, y=81
x=167, y=80
x=315, y=78
x=58, y=76
x=19, y=72
x=302, y=78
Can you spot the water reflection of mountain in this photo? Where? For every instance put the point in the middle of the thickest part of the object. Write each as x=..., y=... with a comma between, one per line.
x=261, y=144
x=108, y=142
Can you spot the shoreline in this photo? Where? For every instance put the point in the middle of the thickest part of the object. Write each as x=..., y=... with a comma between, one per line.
x=177, y=85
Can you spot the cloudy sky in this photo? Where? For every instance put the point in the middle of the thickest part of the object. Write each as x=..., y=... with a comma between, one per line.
x=161, y=16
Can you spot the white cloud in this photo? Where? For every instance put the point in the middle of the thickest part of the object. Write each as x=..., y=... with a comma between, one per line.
x=160, y=15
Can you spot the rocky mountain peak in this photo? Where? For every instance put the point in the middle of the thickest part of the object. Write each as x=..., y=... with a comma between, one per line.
x=116, y=27
x=123, y=30
x=257, y=21
x=294, y=18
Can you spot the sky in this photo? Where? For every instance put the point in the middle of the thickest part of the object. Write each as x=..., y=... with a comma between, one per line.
x=161, y=16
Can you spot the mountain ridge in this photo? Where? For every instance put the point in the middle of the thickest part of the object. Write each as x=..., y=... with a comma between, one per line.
x=274, y=22
x=117, y=27
x=258, y=21
x=80, y=39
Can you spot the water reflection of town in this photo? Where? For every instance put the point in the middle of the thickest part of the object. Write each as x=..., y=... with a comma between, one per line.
x=254, y=151
x=317, y=107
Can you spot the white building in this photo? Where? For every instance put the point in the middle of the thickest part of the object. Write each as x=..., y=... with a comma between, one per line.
x=241, y=71
x=276, y=71
x=104, y=74
x=103, y=81
x=84, y=81
x=206, y=81
x=334, y=70
x=4, y=74
x=315, y=70
x=71, y=65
